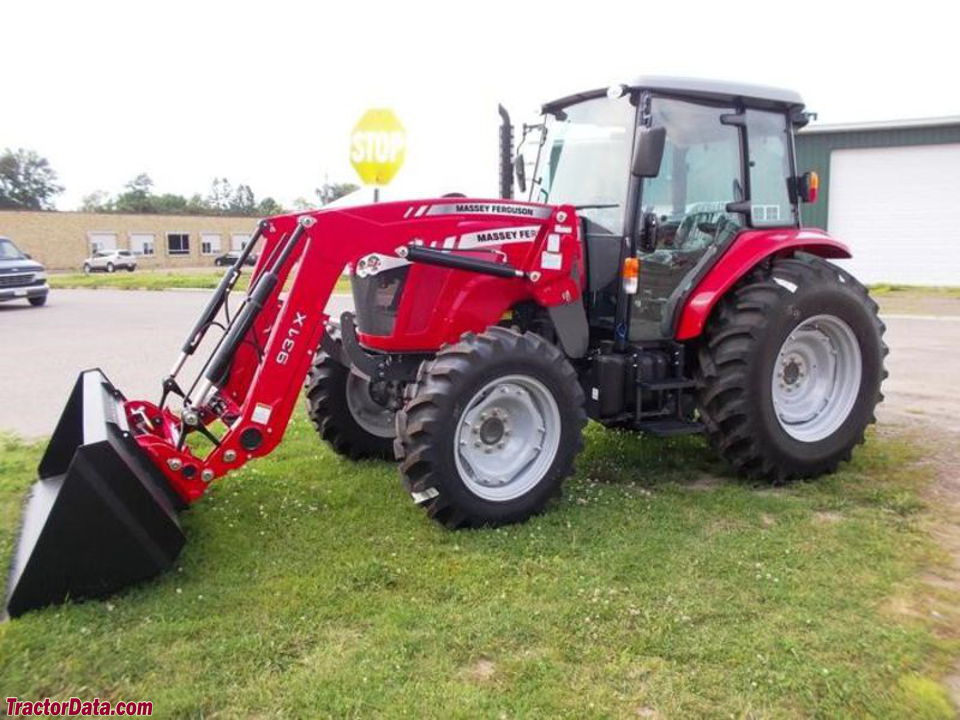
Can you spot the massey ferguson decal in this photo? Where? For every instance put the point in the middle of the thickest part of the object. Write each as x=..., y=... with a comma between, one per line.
x=474, y=208
x=525, y=234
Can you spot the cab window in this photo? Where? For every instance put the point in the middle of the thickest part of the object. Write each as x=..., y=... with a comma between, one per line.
x=769, y=144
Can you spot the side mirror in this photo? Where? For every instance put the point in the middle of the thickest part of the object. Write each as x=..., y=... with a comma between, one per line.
x=648, y=152
x=521, y=172
x=28, y=256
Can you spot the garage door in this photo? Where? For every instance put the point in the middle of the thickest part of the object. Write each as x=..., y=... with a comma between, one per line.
x=899, y=210
x=102, y=241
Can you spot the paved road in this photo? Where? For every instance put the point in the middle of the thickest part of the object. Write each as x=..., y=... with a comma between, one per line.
x=135, y=336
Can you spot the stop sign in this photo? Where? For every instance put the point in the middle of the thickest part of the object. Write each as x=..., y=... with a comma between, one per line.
x=378, y=145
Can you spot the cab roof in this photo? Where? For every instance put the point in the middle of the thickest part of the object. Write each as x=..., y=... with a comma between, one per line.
x=712, y=90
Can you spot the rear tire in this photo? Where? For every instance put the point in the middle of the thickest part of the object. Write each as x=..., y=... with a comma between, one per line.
x=490, y=429
x=345, y=415
x=110, y=267
x=790, y=370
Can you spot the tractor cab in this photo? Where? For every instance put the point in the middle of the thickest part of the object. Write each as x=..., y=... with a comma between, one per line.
x=667, y=171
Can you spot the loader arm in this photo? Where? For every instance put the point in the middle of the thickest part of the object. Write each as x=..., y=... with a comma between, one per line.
x=248, y=387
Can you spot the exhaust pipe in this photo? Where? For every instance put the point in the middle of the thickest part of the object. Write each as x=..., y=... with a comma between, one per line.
x=506, y=154
x=101, y=516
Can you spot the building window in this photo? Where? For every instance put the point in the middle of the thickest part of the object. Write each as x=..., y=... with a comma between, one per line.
x=238, y=241
x=142, y=243
x=209, y=243
x=178, y=243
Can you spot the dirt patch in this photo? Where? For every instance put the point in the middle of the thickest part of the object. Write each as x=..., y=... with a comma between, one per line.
x=482, y=670
x=705, y=482
x=827, y=517
x=943, y=584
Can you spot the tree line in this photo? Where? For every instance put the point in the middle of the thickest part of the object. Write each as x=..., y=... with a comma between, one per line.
x=28, y=182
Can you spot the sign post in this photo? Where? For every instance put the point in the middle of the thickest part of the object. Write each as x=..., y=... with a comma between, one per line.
x=378, y=146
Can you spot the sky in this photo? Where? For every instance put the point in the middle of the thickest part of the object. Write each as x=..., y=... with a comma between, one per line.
x=267, y=93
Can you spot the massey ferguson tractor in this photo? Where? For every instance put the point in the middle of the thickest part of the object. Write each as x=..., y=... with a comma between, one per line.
x=658, y=278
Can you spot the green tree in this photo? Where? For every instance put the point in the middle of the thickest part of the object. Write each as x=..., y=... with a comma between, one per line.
x=170, y=204
x=138, y=196
x=242, y=201
x=268, y=206
x=329, y=192
x=27, y=181
x=98, y=201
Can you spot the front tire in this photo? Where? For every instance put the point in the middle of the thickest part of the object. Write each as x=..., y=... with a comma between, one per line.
x=790, y=370
x=345, y=414
x=87, y=269
x=110, y=268
x=38, y=301
x=491, y=429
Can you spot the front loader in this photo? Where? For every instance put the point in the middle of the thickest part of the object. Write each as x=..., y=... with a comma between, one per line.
x=657, y=279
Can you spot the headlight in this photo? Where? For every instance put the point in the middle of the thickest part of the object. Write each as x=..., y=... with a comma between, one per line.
x=40, y=275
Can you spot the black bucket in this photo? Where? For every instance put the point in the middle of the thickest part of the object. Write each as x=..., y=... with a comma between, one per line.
x=101, y=517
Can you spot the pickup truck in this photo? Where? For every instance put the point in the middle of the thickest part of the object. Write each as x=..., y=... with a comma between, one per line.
x=20, y=277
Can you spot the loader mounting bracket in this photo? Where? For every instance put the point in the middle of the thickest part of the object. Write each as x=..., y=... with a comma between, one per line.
x=372, y=366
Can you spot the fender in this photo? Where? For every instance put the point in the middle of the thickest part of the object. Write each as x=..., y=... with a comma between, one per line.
x=748, y=249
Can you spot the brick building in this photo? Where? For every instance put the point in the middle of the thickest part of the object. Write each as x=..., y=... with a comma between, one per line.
x=61, y=240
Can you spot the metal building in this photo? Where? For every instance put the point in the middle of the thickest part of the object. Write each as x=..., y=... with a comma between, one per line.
x=892, y=191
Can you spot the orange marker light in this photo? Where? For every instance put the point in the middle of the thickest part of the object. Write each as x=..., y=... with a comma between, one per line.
x=631, y=275
x=812, y=186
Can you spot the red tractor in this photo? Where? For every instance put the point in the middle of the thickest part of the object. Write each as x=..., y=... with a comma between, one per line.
x=658, y=279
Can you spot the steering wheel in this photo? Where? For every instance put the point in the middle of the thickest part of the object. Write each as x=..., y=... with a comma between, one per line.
x=691, y=223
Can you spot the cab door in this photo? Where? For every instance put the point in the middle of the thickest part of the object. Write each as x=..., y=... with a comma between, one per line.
x=701, y=175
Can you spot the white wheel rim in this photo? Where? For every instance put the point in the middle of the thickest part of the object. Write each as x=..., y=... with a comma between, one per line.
x=816, y=378
x=367, y=412
x=507, y=438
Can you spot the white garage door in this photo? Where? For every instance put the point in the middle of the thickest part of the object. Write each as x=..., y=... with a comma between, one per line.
x=102, y=241
x=899, y=210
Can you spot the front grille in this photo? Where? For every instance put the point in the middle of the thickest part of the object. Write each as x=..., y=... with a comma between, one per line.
x=376, y=299
x=20, y=280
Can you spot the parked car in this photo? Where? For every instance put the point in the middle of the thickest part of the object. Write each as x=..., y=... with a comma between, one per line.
x=228, y=258
x=110, y=261
x=20, y=277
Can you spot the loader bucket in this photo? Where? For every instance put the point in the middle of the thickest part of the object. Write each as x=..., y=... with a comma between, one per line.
x=101, y=516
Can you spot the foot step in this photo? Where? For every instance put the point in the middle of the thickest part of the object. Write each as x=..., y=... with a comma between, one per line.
x=669, y=428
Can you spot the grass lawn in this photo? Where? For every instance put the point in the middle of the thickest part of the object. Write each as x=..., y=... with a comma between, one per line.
x=312, y=587
x=158, y=280
x=917, y=300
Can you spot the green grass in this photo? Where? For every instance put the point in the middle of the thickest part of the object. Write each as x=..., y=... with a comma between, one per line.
x=157, y=280
x=312, y=587
x=883, y=289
